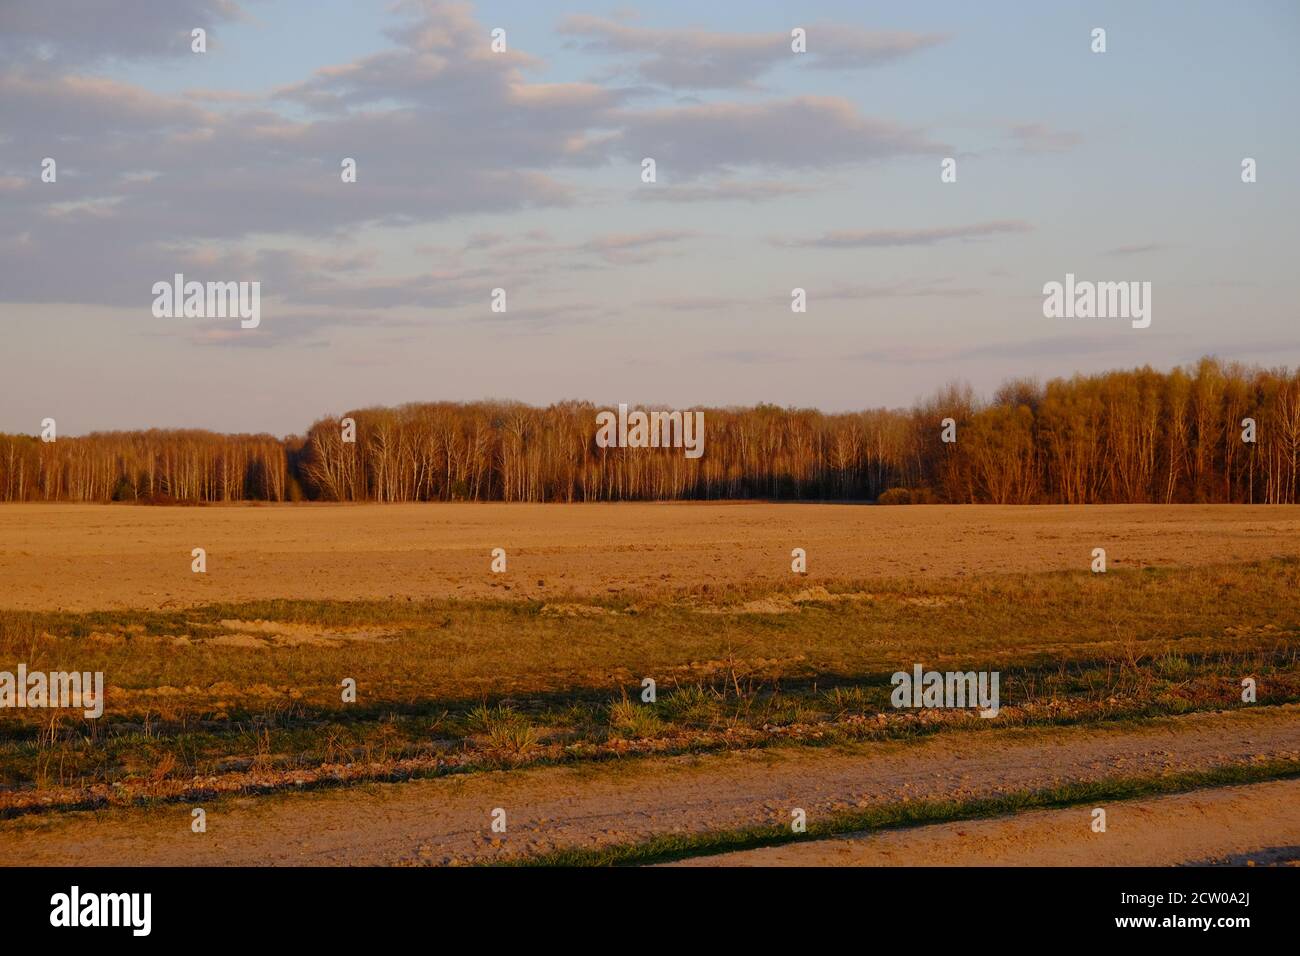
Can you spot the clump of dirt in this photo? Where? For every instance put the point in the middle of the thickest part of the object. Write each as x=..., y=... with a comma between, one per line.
x=236, y=640
x=769, y=605
x=819, y=595
x=787, y=603
x=259, y=634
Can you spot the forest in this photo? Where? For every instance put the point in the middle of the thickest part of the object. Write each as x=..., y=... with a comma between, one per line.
x=1138, y=435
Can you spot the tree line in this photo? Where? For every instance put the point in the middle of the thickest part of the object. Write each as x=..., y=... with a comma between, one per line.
x=1138, y=435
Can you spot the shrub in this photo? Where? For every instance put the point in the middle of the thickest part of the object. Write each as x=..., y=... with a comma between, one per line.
x=895, y=496
x=907, y=496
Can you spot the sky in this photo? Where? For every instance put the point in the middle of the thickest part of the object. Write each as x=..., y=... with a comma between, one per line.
x=522, y=170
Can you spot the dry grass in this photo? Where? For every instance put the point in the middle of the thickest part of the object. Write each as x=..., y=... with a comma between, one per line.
x=457, y=685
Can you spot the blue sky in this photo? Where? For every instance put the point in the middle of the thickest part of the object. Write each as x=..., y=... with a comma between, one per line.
x=522, y=171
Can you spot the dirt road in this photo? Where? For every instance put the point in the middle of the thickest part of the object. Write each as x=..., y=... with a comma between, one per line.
x=447, y=820
x=97, y=557
x=1257, y=824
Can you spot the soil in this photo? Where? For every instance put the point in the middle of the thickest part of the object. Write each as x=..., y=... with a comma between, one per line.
x=97, y=557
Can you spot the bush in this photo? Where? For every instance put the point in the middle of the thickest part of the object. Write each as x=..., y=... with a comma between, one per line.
x=907, y=496
x=124, y=490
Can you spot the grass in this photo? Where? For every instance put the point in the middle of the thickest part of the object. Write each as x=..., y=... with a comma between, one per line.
x=633, y=721
x=449, y=686
x=504, y=731
x=670, y=847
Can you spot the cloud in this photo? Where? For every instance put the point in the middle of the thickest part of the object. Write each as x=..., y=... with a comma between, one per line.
x=627, y=248
x=806, y=132
x=484, y=240
x=53, y=108
x=697, y=303
x=941, y=287
x=903, y=288
x=1136, y=249
x=748, y=356
x=222, y=96
x=1065, y=345
x=146, y=179
x=543, y=317
x=279, y=325
x=90, y=31
x=723, y=191
x=843, y=47
x=1039, y=138
x=884, y=238
x=230, y=184
x=701, y=60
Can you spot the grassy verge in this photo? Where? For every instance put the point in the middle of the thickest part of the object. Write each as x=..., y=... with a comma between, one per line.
x=672, y=847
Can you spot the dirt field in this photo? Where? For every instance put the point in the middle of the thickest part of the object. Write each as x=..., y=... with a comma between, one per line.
x=97, y=557
x=522, y=690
